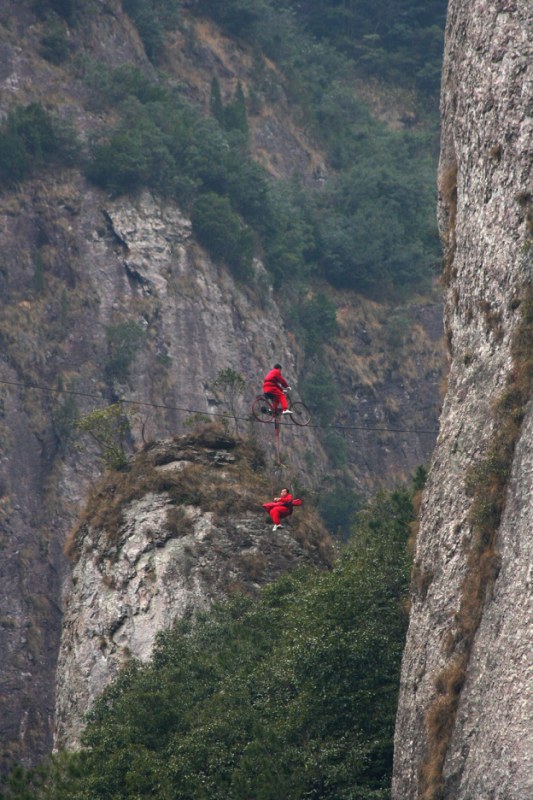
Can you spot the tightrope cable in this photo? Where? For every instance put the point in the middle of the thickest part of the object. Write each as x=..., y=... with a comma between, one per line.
x=163, y=406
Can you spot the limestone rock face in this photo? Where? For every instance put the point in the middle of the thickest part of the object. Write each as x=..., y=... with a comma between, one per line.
x=482, y=749
x=119, y=262
x=77, y=265
x=191, y=531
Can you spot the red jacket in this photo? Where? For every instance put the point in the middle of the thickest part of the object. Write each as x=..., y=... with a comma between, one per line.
x=274, y=380
x=288, y=502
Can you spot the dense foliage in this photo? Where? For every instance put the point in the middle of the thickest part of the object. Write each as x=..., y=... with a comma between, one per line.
x=396, y=39
x=370, y=228
x=289, y=696
x=399, y=40
x=31, y=137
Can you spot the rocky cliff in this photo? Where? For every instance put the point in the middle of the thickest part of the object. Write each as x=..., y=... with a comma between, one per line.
x=179, y=529
x=464, y=719
x=79, y=268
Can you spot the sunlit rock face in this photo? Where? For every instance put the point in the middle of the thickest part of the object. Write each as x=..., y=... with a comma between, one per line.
x=484, y=748
x=182, y=528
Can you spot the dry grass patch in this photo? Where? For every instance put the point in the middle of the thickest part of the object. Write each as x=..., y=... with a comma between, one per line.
x=218, y=486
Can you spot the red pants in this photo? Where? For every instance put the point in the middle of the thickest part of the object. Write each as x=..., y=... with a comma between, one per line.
x=277, y=397
x=277, y=512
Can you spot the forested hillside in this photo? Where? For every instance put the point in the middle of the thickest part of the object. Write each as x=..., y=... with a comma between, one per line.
x=360, y=219
x=289, y=696
x=192, y=187
x=370, y=228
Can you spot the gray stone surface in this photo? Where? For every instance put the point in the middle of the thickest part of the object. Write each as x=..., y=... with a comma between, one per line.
x=154, y=574
x=75, y=261
x=488, y=137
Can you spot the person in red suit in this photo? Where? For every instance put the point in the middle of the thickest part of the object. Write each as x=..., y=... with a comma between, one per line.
x=281, y=507
x=273, y=386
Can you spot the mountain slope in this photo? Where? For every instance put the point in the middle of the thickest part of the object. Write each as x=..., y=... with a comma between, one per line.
x=107, y=295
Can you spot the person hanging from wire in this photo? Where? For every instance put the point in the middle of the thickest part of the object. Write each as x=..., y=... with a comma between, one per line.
x=281, y=507
x=273, y=386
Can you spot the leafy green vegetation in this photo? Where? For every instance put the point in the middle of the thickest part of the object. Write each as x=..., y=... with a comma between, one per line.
x=54, y=43
x=30, y=138
x=124, y=340
x=338, y=508
x=317, y=315
x=68, y=9
x=370, y=227
x=108, y=428
x=398, y=40
x=220, y=229
x=292, y=695
x=152, y=18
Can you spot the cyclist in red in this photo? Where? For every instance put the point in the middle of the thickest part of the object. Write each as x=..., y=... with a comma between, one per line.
x=273, y=386
x=281, y=507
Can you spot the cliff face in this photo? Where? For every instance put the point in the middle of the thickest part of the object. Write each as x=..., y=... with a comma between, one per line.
x=466, y=704
x=131, y=262
x=181, y=528
x=78, y=267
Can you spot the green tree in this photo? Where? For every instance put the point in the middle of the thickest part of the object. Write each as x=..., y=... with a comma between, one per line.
x=235, y=112
x=219, y=228
x=32, y=138
x=108, y=427
x=321, y=392
x=290, y=695
x=215, y=103
x=318, y=317
x=338, y=508
x=124, y=340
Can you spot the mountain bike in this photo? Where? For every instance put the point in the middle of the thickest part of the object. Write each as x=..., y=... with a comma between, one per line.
x=263, y=409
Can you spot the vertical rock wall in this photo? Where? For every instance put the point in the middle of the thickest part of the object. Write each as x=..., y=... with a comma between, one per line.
x=466, y=704
x=74, y=262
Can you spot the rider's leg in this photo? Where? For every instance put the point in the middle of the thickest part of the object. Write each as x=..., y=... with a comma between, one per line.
x=279, y=399
x=278, y=513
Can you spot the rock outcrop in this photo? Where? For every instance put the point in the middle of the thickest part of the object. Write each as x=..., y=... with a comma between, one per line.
x=179, y=529
x=465, y=712
x=78, y=267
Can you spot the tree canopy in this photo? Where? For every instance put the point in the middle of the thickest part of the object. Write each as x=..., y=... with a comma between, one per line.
x=292, y=695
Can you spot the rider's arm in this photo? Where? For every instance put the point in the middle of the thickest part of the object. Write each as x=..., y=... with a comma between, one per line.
x=282, y=381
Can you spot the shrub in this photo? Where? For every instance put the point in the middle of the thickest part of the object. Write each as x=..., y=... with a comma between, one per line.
x=108, y=428
x=31, y=138
x=67, y=9
x=54, y=44
x=318, y=317
x=291, y=695
x=338, y=508
x=152, y=19
x=14, y=160
x=136, y=155
x=219, y=228
x=321, y=392
x=124, y=340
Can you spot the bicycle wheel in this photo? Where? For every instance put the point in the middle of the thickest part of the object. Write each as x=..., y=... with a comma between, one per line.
x=262, y=409
x=300, y=413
